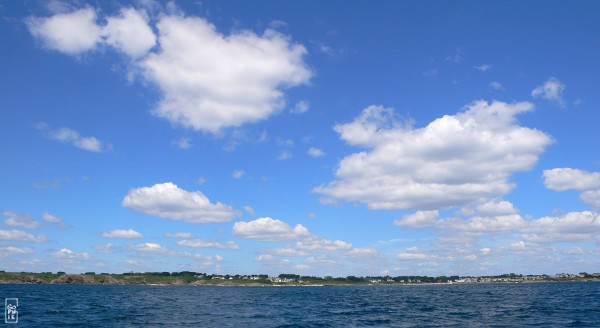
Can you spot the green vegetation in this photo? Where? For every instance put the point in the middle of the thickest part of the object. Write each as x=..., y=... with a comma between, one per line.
x=198, y=278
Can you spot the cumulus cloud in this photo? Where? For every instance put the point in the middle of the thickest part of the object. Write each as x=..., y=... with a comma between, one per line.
x=70, y=136
x=483, y=224
x=182, y=235
x=284, y=155
x=106, y=249
x=496, y=207
x=238, y=174
x=562, y=179
x=78, y=31
x=363, y=252
x=321, y=245
x=316, y=152
x=419, y=219
x=453, y=161
x=118, y=233
x=149, y=248
x=496, y=85
x=66, y=254
x=19, y=235
x=21, y=220
x=301, y=107
x=249, y=210
x=11, y=250
x=129, y=32
x=166, y=200
x=268, y=229
x=55, y=220
x=209, y=80
x=199, y=243
x=412, y=254
x=591, y=197
x=573, y=226
x=551, y=90
x=483, y=67
x=71, y=33
x=183, y=143
x=316, y=244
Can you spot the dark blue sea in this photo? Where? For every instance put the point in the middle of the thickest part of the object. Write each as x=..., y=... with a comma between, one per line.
x=484, y=305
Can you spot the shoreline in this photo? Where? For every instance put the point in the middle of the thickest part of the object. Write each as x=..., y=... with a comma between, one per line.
x=149, y=279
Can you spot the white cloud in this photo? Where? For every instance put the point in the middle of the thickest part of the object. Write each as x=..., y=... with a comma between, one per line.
x=265, y=258
x=316, y=152
x=21, y=220
x=51, y=183
x=166, y=200
x=184, y=235
x=551, y=90
x=456, y=57
x=483, y=67
x=249, y=210
x=238, y=174
x=496, y=85
x=285, y=142
x=73, y=137
x=327, y=50
x=149, y=248
x=301, y=107
x=66, y=254
x=496, y=207
x=129, y=32
x=284, y=155
x=413, y=254
x=453, y=161
x=573, y=251
x=199, y=243
x=363, y=252
x=183, y=143
x=211, y=81
x=483, y=225
x=19, y=235
x=321, y=245
x=561, y=179
x=118, y=233
x=268, y=229
x=591, y=197
x=573, y=226
x=419, y=219
x=11, y=250
x=315, y=244
x=70, y=33
x=56, y=220
x=77, y=32
x=106, y=249
x=51, y=218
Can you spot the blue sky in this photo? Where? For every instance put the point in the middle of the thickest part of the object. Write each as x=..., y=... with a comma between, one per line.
x=336, y=138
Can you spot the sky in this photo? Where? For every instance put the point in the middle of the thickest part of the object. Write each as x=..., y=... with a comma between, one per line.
x=316, y=138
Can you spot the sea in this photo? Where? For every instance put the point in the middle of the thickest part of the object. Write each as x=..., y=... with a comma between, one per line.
x=565, y=304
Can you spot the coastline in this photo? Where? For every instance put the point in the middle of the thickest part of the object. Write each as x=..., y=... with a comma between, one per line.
x=192, y=279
